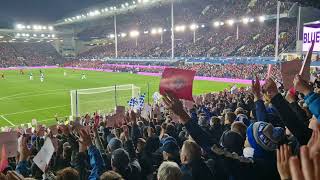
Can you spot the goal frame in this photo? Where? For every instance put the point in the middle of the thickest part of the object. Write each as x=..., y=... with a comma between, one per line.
x=74, y=95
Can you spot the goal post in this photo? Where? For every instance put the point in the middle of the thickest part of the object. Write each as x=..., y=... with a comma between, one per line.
x=103, y=99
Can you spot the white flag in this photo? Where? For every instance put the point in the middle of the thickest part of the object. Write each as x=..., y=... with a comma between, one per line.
x=43, y=157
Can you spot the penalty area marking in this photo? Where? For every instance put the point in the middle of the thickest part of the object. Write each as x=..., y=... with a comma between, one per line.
x=7, y=120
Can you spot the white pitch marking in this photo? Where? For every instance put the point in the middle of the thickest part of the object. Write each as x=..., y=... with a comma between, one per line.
x=2, y=116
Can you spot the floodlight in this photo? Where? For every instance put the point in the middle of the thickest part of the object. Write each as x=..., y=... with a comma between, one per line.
x=122, y=5
x=25, y=41
x=145, y=1
x=50, y=28
x=139, y=1
x=1, y=37
x=216, y=24
x=78, y=17
x=53, y=36
x=96, y=12
x=106, y=9
x=262, y=18
x=221, y=23
x=202, y=26
x=27, y=35
x=111, y=36
x=13, y=39
x=73, y=18
x=123, y=35
x=18, y=35
x=20, y=26
x=194, y=27
x=153, y=31
x=134, y=33
x=28, y=27
x=251, y=20
x=49, y=35
x=146, y=32
x=245, y=20
x=230, y=22
x=133, y=2
x=65, y=20
x=164, y=30
x=160, y=30
x=127, y=4
x=42, y=35
x=34, y=35
x=23, y=34
x=44, y=27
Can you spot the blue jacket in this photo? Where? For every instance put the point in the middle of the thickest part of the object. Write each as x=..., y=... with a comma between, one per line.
x=96, y=163
x=22, y=168
x=313, y=102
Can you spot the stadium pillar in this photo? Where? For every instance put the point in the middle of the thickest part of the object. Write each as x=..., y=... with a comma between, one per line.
x=137, y=41
x=298, y=23
x=161, y=37
x=194, y=36
x=237, y=31
x=115, y=36
x=172, y=32
x=277, y=31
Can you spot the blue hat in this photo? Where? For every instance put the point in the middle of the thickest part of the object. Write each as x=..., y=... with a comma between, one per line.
x=169, y=145
x=243, y=118
x=264, y=138
x=114, y=144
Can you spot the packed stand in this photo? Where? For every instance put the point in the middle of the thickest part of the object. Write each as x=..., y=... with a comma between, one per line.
x=236, y=71
x=28, y=54
x=255, y=39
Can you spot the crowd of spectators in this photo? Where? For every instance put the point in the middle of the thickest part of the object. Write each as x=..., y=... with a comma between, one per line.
x=249, y=134
x=28, y=54
x=255, y=39
x=236, y=71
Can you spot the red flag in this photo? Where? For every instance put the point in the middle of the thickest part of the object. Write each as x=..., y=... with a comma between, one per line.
x=289, y=70
x=177, y=81
x=305, y=69
x=4, y=159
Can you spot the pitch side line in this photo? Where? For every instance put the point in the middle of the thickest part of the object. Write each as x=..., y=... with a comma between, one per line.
x=29, y=94
x=2, y=116
x=35, y=110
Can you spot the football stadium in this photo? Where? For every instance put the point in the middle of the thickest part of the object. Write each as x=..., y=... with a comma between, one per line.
x=160, y=90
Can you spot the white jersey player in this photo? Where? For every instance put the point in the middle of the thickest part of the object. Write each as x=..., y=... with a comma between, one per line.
x=31, y=76
x=42, y=77
x=64, y=73
x=83, y=76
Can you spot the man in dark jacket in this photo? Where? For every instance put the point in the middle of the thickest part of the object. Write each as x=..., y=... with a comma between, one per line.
x=192, y=165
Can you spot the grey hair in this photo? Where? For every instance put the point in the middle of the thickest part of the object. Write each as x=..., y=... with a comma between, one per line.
x=169, y=171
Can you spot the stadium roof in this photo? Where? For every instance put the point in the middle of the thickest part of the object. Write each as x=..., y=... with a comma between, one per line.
x=41, y=11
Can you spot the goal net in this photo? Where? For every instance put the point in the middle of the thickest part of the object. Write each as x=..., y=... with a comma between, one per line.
x=103, y=99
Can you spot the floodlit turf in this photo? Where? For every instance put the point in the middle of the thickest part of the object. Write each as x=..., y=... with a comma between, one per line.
x=22, y=99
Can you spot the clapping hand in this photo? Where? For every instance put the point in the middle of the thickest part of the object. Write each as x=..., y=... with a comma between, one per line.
x=175, y=105
x=283, y=155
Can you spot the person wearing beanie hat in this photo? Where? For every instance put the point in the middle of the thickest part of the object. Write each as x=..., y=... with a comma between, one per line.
x=243, y=118
x=232, y=141
x=170, y=149
x=120, y=162
x=114, y=144
x=264, y=138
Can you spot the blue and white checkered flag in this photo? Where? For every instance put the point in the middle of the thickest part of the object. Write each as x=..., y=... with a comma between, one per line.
x=133, y=101
x=141, y=101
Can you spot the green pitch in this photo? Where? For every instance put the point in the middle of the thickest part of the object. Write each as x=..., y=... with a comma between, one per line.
x=22, y=100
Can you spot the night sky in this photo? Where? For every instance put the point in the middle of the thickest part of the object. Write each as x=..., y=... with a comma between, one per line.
x=41, y=11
